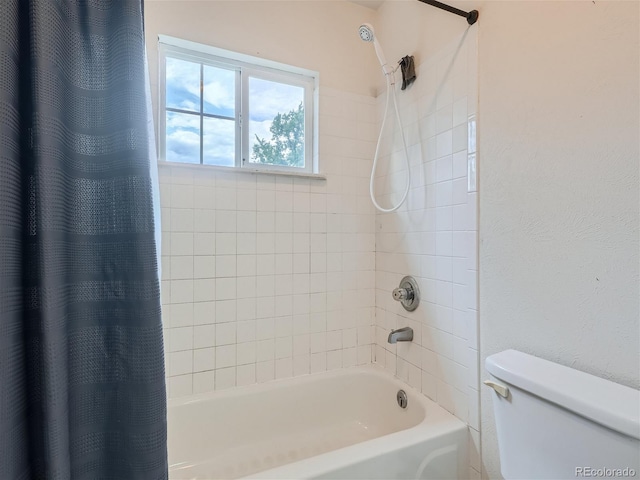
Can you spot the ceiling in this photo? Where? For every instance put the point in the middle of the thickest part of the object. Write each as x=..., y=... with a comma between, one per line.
x=373, y=4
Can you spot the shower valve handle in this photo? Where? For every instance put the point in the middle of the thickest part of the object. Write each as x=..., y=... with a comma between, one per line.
x=400, y=294
x=407, y=293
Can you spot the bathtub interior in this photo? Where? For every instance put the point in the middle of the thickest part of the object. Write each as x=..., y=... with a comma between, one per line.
x=252, y=429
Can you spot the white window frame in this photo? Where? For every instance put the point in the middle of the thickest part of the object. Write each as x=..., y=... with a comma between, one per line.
x=246, y=67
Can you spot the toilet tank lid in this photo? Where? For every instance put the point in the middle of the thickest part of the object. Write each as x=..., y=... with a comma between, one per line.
x=602, y=401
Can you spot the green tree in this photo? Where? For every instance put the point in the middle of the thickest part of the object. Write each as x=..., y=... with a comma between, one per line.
x=286, y=146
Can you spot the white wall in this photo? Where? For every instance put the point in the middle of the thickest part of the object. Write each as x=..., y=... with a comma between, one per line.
x=268, y=276
x=433, y=237
x=559, y=198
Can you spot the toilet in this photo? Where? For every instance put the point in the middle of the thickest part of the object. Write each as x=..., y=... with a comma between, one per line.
x=554, y=422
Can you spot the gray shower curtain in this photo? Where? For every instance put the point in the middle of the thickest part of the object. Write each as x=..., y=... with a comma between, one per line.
x=82, y=392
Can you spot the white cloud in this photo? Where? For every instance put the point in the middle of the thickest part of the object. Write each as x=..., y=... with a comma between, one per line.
x=183, y=146
x=267, y=99
x=219, y=145
x=219, y=88
x=183, y=84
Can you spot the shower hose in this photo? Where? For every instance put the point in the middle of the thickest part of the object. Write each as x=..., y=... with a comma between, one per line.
x=390, y=91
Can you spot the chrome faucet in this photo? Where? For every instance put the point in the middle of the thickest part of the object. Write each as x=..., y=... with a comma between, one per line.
x=401, y=335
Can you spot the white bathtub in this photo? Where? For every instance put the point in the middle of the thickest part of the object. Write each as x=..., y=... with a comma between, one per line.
x=345, y=424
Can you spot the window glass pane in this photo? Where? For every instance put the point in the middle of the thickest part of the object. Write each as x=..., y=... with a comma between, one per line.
x=219, y=146
x=276, y=123
x=183, y=85
x=183, y=138
x=219, y=91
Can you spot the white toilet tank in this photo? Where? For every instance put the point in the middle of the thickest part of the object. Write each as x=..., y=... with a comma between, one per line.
x=560, y=423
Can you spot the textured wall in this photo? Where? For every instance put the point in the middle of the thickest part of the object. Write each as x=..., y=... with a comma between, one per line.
x=559, y=204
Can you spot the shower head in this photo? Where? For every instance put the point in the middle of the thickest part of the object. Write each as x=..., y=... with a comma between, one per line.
x=367, y=34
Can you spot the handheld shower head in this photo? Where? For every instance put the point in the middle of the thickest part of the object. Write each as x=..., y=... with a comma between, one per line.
x=367, y=34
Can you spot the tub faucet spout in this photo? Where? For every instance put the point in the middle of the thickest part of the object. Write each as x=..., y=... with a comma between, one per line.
x=401, y=335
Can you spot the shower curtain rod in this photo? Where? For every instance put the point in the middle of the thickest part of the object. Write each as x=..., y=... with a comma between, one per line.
x=472, y=16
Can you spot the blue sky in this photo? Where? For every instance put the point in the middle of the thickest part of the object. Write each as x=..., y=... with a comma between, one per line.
x=266, y=100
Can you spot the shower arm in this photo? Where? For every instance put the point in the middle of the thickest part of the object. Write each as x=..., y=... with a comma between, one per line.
x=472, y=16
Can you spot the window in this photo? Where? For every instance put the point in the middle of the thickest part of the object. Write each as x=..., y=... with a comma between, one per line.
x=232, y=110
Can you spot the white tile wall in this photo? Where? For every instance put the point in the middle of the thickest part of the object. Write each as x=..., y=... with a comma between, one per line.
x=269, y=276
x=433, y=237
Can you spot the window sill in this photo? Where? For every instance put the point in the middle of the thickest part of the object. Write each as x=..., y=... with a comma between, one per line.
x=245, y=170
